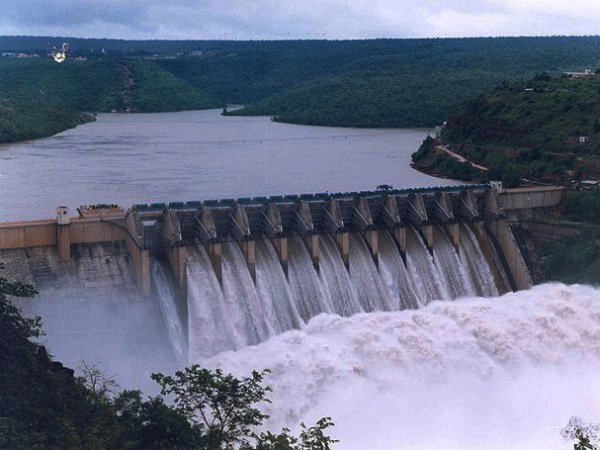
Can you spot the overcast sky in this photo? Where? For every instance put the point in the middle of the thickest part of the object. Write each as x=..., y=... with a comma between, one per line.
x=298, y=19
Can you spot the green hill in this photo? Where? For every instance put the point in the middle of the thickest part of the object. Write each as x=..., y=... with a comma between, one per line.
x=545, y=129
x=39, y=97
x=364, y=83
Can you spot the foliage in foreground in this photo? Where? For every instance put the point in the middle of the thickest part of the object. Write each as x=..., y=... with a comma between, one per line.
x=586, y=434
x=43, y=406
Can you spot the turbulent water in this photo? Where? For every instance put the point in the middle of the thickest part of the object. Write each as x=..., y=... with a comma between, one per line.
x=503, y=373
x=166, y=300
x=243, y=312
x=391, y=350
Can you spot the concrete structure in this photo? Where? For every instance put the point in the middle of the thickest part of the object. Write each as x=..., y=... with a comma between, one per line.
x=168, y=228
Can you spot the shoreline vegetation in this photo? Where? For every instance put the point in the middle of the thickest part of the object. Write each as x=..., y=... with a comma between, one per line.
x=355, y=83
x=544, y=130
x=40, y=98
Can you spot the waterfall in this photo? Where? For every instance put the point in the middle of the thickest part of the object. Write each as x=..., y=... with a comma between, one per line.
x=394, y=275
x=421, y=269
x=336, y=279
x=238, y=311
x=478, y=268
x=239, y=289
x=307, y=288
x=242, y=311
x=273, y=289
x=167, y=301
x=451, y=269
x=370, y=290
x=214, y=322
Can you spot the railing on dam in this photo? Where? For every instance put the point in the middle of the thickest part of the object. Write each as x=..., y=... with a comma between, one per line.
x=292, y=198
x=167, y=228
x=244, y=218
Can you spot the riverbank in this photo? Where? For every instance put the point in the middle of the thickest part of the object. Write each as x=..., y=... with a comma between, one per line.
x=433, y=158
x=25, y=124
x=39, y=98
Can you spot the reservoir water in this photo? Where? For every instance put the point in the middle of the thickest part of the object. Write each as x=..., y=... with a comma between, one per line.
x=141, y=158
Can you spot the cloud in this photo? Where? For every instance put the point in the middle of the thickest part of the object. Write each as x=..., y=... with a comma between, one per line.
x=289, y=19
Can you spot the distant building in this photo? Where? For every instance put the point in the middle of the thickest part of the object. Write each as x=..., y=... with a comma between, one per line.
x=587, y=73
x=584, y=139
x=197, y=53
x=589, y=184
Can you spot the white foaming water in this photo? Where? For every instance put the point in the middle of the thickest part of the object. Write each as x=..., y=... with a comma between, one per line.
x=473, y=257
x=421, y=269
x=394, y=275
x=450, y=266
x=371, y=292
x=503, y=373
x=166, y=300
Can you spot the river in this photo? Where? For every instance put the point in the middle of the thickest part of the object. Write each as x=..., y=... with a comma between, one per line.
x=139, y=158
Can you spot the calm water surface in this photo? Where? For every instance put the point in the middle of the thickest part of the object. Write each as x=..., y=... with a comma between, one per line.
x=192, y=155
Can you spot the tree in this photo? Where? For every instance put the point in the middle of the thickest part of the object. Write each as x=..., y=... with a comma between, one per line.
x=13, y=323
x=221, y=405
x=153, y=425
x=586, y=434
x=313, y=438
x=224, y=409
x=100, y=385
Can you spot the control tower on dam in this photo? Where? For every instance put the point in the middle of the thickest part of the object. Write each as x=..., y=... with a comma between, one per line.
x=168, y=229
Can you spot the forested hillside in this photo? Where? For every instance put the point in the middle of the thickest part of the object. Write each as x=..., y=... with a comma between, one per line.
x=544, y=129
x=377, y=83
x=366, y=83
x=39, y=97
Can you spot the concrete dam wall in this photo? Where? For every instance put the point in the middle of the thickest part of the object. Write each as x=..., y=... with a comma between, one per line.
x=181, y=281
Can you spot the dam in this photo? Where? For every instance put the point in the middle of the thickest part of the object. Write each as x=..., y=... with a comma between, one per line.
x=215, y=275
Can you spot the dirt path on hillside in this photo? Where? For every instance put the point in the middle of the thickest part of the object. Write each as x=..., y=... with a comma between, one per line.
x=444, y=149
x=128, y=83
